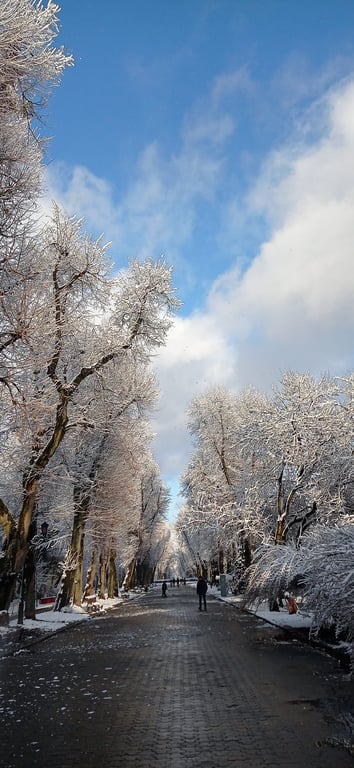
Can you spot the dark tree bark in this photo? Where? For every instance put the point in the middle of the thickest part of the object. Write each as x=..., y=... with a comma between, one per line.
x=130, y=579
x=91, y=574
x=103, y=574
x=112, y=581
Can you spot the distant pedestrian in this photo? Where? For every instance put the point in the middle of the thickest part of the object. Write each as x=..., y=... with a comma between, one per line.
x=164, y=589
x=202, y=589
x=177, y=582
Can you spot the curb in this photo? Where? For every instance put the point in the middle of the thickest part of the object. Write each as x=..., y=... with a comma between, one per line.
x=48, y=635
x=302, y=636
x=36, y=640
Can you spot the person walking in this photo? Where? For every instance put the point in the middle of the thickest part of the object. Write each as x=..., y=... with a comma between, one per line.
x=164, y=589
x=202, y=589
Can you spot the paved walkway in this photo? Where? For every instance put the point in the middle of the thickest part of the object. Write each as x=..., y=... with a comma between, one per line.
x=157, y=683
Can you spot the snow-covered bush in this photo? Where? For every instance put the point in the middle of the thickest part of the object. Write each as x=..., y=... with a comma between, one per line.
x=324, y=564
x=327, y=562
x=273, y=570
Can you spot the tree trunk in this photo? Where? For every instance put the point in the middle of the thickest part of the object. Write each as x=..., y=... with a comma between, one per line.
x=72, y=582
x=102, y=575
x=247, y=554
x=220, y=558
x=149, y=576
x=66, y=589
x=144, y=573
x=78, y=576
x=29, y=573
x=112, y=587
x=279, y=534
x=139, y=573
x=8, y=577
x=280, y=511
x=284, y=510
x=130, y=581
x=19, y=535
x=91, y=574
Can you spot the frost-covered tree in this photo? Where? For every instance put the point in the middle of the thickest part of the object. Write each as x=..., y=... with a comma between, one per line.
x=290, y=459
x=83, y=323
x=273, y=570
x=222, y=484
x=326, y=562
x=95, y=465
x=321, y=568
x=63, y=321
x=201, y=546
x=29, y=66
x=115, y=507
x=153, y=500
x=174, y=560
x=310, y=444
x=309, y=450
x=209, y=481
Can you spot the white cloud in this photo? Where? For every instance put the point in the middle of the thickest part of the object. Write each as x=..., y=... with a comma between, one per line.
x=82, y=194
x=297, y=294
x=211, y=129
x=229, y=84
x=157, y=211
x=292, y=307
x=196, y=357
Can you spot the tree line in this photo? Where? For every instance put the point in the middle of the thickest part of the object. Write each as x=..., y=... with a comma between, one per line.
x=78, y=476
x=269, y=493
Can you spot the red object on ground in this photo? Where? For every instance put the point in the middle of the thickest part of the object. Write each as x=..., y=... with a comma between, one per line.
x=292, y=604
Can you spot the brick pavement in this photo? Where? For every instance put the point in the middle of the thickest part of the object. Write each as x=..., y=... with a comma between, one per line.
x=159, y=684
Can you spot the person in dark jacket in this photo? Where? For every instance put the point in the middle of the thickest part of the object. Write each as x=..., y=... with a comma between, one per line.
x=164, y=589
x=202, y=589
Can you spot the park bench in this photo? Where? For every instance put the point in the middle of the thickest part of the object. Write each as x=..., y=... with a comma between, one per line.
x=47, y=600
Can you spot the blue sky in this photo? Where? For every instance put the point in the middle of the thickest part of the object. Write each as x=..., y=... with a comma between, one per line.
x=219, y=133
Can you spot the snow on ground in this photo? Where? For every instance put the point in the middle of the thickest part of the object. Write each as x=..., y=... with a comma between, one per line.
x=50, y=620
x=281, y=618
